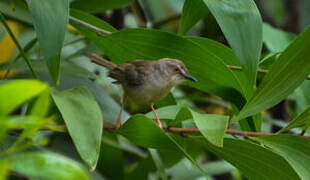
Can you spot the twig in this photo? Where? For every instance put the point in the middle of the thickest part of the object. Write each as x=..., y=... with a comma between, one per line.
x=63, y=128
x=89, y=26
x=262, y=71
x=28, y=46
x=137, y=11
x=166, y=20
x=23, y=54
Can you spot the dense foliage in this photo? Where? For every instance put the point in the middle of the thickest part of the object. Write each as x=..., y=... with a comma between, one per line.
x=57, y=108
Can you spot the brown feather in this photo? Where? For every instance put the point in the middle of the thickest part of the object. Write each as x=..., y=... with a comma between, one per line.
x=100, y=61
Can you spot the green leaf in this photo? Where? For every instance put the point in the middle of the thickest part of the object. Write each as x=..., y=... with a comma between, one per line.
x=193, y=11
x=285, y=75
x=141, y=170
x=294, y=149
x=46, y=165
x=302, y=96
x=158, y=163
x=111, y=162
x=166, y=101
x=303, y=120
x=20, y=12
x=50, y=22
x=4, y=170
x=144, y=132
x=83, y=118
x=241, y=24
x=15, y=93
x=92, y=20
x=254, y=161
x=184, y=171
x=276, y=40
x=212, y=126
x=2, y=32
x=41, y=105
x=209, y=69
x=167, y=112
x=229, y=58
x=99, y=6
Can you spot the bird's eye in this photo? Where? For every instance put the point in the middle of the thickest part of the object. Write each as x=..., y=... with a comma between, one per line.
x=176, y=69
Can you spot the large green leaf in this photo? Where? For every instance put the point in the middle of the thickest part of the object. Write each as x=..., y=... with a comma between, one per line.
x=99, y=6
x=209, y=69
x=229, y=58
x=50, y=22
x=241, y=24
x=144, y=132
x=84, y=121
x=15, y=93
x=303, y=120
x=193, y=11
x=254, y=161
x=46, y=165
x=275, y=39
x=285, y=75
x=294, y=149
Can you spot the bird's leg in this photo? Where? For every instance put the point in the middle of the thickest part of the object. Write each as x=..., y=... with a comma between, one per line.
x=119, y=119
x=156, y=117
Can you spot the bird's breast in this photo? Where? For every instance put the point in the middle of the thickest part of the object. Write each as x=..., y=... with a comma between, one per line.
x=149, y=92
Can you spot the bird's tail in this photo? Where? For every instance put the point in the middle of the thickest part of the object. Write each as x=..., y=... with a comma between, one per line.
x=100, y=61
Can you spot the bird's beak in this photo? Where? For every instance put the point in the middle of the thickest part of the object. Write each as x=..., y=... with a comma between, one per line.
x=189, y=77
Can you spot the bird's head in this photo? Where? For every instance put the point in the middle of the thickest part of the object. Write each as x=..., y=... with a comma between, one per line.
x=176, y=70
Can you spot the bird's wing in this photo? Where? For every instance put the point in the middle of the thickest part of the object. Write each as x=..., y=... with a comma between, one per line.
x=136, y=72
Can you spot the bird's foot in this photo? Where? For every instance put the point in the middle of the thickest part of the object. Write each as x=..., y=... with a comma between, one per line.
x=118, y=123
x=159, y=123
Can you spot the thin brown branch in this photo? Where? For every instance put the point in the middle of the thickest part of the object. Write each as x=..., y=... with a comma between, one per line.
x=89, y=26
x=63, y=128
x=261, y=71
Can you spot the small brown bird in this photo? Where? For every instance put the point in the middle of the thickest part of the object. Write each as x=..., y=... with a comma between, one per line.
x=143, y=81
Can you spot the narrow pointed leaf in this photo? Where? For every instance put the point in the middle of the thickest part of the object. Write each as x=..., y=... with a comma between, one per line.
x=46, y=165
x=254, y=161
x=92, y=20
x=303, y=120
x=241, y=24
x=17, y=92
x=99, y=6
x=50, y=22
x=285, y=75
x=193, y=11
x=83, y=118
x=294, y=149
